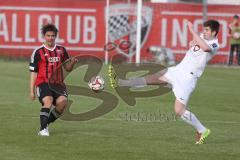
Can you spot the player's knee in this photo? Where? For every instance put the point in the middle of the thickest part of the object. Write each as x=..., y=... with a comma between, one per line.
x=47, y=101
x=61, y=100
x=61, y=104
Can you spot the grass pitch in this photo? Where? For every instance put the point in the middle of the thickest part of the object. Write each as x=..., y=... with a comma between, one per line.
x=120, y=134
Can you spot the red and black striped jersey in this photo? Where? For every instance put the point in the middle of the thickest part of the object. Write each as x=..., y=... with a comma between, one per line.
x=45, y=62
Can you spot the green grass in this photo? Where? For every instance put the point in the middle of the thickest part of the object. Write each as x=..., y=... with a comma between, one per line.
x=215, y=101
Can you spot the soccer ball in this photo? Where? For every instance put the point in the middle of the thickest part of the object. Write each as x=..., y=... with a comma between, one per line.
x=96, y=83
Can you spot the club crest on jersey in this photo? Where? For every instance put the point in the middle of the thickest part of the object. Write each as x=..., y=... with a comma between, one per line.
x=59, y=51
x=196, y=48
x=53, y=59
x=122, y=22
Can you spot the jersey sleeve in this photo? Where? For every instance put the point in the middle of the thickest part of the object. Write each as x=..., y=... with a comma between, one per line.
x=214, y=45
x=35, y=58
x=65, y=55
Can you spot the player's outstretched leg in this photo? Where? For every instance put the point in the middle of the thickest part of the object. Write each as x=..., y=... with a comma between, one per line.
x=57, y=111
x=117, y=82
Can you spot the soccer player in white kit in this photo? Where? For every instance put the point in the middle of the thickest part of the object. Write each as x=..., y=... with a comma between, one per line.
x=183, y=77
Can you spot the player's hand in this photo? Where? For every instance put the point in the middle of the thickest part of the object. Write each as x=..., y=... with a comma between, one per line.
x=74, y=60
x=192, y=43
x=32, y=95
x=190, y=26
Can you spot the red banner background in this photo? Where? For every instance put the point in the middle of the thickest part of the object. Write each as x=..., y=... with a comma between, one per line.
x=82, y=26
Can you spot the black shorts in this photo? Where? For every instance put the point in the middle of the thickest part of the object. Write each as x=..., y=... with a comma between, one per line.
x=44, y=90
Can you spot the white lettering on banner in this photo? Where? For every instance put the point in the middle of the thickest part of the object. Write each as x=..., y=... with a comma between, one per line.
x=20, y=27
x=14, y=29
x=224, y=28
x=27, y=29
x=3, y=27
x=196, y=24
x=57, y=24
x=179, y=34
x=88, y=29
x=89, y=33
x=77, y=30
x=41, y=20
x=164, y=32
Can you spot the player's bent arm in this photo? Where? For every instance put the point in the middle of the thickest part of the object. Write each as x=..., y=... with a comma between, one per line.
x=33, y=77
x=69, y=66
x=203, y=45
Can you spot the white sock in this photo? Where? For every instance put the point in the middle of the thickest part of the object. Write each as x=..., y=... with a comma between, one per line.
x=134, y=82
x=191, y=119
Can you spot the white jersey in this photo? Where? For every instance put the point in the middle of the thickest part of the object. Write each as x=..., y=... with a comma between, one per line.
x=196, y=59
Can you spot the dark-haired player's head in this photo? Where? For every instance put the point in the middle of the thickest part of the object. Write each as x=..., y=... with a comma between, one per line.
x=49, y=32
x=49, y=27
x=211, y=29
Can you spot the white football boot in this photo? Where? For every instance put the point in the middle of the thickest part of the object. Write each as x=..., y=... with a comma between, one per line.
x=44, y=132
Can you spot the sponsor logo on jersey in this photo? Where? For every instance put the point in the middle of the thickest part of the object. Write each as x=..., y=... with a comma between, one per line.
x=53, y=59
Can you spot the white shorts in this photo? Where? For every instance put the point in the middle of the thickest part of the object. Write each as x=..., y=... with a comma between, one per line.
x=183, y=83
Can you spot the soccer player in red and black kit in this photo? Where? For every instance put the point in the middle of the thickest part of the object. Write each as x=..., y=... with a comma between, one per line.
x=45, y=60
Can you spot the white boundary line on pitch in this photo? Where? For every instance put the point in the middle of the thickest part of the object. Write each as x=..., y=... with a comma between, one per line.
x=15, y=8
x=68, y=48
x=196, y=14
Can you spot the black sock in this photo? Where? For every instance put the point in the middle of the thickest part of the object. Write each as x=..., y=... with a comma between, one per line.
x=53, y=116
x=44, y=114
